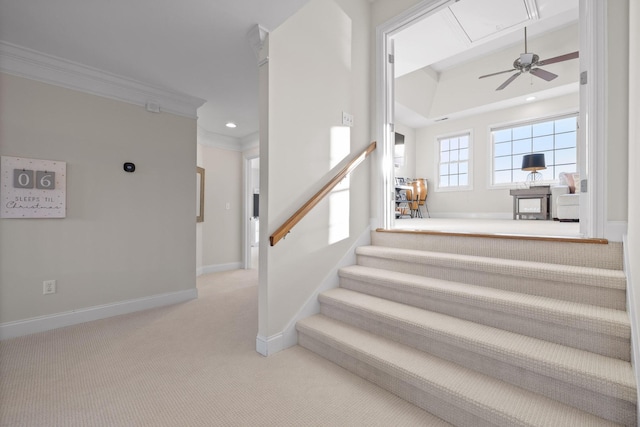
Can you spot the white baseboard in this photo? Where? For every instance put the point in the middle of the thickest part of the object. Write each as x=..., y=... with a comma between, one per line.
x=58, y=320
x=472, y=215
x=215, y=268
x=267, y=346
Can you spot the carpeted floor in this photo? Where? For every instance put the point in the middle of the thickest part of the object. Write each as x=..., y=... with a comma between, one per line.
x=191, y=364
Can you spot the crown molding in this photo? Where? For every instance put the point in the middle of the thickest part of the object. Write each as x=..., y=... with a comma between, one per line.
x=223, y=142
x=250, y=141
x=34, y=65
x=216, y=140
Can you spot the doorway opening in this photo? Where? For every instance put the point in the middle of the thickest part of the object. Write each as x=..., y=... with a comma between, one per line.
x=414, y=58
x=252, y=212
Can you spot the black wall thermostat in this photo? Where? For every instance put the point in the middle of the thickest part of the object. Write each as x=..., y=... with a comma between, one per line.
x=129, y=167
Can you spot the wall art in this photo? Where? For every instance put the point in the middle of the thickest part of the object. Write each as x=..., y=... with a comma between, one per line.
x=32, y=188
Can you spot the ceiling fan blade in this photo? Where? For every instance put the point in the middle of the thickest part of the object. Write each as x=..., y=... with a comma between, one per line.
x=543, y=74
x=495, y=74
x=509, y=80
x=565, y=57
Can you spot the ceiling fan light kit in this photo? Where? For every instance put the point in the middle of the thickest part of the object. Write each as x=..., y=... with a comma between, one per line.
x=529, y=62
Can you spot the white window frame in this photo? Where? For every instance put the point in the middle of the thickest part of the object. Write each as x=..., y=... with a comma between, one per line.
x=516, y=124
x=438, y=138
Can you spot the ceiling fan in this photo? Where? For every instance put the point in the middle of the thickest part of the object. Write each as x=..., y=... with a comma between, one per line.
x=526, y=63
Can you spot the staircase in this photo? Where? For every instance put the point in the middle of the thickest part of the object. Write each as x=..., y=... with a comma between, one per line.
x=485, y=331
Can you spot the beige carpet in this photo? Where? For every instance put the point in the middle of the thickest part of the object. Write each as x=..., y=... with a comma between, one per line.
x=192, y=364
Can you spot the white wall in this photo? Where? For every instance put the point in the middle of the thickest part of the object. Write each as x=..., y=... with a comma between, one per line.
x=318, y=67
x=385, y=10
x=633, y=236
x=617, y=119
x=481, y=201
x=417, y=91
x=126, y=235
x=221, y=231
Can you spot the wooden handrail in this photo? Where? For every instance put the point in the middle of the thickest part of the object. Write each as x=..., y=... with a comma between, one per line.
x=285, y=228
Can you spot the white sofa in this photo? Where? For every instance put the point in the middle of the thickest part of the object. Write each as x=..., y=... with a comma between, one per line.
x=565, y=197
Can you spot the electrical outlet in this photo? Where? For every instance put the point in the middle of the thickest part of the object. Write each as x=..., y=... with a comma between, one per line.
x=48, y=287
x=347, y=119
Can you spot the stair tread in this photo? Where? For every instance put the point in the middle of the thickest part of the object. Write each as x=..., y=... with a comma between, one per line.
x=582, y=316
x=472, y=391
x=614, y=279
x=609, y=376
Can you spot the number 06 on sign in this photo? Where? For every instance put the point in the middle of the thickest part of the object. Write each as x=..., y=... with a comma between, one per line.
x=32, y=188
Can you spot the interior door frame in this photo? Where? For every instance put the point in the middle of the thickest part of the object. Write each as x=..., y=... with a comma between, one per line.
x=592, y=145
x=246, y=209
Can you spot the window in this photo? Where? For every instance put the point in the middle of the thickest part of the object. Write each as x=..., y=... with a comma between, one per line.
x=454, y=162
x=555, y=137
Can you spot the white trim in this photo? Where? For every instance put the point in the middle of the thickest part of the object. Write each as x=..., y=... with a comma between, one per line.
x=215, y=268
x=615, y=230
x=469, y=186
x=472, y=215
x=216, y=140
x=633, y=316
x=256, y=36
x=34, y=65
x=250, y=141
x=267, y=346
x=247, y=192
x=384, y=188
x=53, y=321
x=510, y=125
x=593, y=105
x=229, y=143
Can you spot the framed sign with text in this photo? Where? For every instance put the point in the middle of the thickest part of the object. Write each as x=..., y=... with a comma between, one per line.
x=32, y=188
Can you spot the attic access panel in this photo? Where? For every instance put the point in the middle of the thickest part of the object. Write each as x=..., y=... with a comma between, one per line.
x=480, y=19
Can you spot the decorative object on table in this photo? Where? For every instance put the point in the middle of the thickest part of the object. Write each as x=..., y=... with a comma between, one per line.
x=526, y=63
x=533, y=163
x=32, y=188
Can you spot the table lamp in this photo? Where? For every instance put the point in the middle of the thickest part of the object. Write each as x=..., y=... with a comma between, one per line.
x=534, y=163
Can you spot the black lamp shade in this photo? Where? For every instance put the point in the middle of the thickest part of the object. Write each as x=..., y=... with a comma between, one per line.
x=533, y=162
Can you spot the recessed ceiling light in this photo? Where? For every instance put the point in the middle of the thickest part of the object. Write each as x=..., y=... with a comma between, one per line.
x=231, y=125
x=531, y=98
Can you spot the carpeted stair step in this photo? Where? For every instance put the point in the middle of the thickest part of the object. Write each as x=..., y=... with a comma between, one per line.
x=600, y=330
x=456, y=394
x=554, y=251
x=596, y=286
x=593, y=383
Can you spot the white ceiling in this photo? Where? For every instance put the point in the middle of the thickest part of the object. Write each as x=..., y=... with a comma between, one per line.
x=196, y=47
x=467, y=30
x=200, y=47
